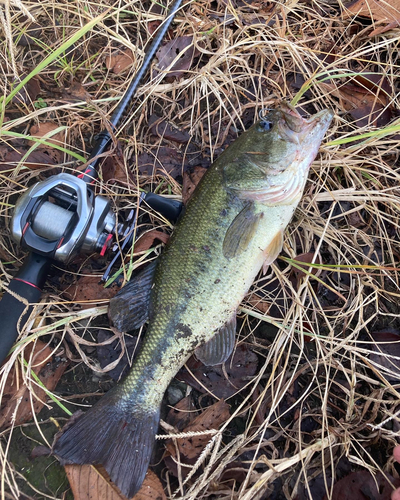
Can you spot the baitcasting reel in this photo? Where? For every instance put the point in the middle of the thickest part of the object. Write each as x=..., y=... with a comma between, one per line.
x=61, y=217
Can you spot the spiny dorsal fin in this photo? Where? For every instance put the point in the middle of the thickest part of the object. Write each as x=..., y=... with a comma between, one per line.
x=129, y=309
x=241, y=231
x=218, y=349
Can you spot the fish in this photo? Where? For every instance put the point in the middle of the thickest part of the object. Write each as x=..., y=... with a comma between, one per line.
x=232, y=227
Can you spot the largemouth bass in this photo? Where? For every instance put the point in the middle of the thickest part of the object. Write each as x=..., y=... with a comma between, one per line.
x=232, y=226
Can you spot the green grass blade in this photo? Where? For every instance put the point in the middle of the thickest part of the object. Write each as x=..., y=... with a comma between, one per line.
x=45, y=142
x=52, y=57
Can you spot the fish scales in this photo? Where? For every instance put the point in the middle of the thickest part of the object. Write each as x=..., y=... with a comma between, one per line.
x=232, y=226
x=196, y=288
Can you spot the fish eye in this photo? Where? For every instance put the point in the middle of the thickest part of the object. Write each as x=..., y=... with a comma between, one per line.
x=266, y=125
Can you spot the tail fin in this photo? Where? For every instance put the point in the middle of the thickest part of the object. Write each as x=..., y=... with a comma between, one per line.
x=114, y=434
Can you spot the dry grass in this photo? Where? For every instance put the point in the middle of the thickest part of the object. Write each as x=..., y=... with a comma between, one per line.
x=316, y=367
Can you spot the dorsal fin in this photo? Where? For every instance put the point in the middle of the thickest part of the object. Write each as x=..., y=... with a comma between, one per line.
x=129, y=309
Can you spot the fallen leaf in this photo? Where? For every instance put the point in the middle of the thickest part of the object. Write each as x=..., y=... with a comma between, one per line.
x=42, y=156
x=76, y=93
x=211, y=418
x=151, y=488
x=238, y=368
x=307, y=258
x=114, y=169
x=152, y=26
x=387, y=12
x=190, y=448
x=190, y=180
x=271, y=296
x=88, y=290
x=181, y=46
x=147, y=240
x=29, y=35
x=168, y=162
x=119, y=61
x=10, y=157
x=16, y=401
x=181, y=414
x=29, y=91
x=165, y=130
x=88, y=482
x=366, y=98
x=44, y=128
x=384, y=349
x=362, y=485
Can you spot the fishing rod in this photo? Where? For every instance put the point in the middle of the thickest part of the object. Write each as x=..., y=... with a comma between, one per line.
x=61, y=217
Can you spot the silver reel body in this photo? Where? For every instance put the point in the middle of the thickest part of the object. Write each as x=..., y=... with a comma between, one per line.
x=61, y=217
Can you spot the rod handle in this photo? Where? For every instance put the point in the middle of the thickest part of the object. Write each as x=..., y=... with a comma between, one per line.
x=14, y=312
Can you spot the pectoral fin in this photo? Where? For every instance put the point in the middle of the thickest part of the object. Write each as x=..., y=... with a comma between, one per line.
x=129, y=309
x=241, y=232
x=218, y=349
x=273, y=250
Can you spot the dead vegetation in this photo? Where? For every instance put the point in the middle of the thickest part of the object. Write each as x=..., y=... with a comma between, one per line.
x=311, y=393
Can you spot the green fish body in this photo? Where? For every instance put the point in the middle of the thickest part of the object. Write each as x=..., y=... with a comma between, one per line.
x=232, y=226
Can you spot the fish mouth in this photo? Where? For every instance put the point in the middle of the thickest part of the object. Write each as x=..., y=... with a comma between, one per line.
x=295, y=128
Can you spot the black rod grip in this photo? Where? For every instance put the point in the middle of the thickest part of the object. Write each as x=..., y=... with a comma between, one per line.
x=170, y=209
x=27, y=284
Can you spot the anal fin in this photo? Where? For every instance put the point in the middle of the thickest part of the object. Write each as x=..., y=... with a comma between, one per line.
x=129, y=309
x=218, y=349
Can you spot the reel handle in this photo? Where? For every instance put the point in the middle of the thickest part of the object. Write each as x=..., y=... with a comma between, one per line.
x=14, y=313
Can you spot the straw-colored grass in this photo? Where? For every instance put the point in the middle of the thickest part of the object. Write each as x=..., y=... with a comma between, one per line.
x=348, y=217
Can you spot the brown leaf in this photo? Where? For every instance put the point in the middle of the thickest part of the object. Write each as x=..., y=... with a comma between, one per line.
x=88, y=483
x=29, y=91
x=386, y=11
x=16, y=402
x=256, y=301
x=190, y=448
x=120, y=61
x=238, y=368
x=190, y=180
x=29, y=35
x=114, y=169
x=37, y=159
x=44, y=128
x=151, y=488
x=307, y=258
x=385, y=345
x=211, y=418
x=166, y=130
x=168, y=53
x=147, y=240
x=169, y=161
x=366, y=98
x=181, y=414
x=362, y=485
x=76, y=93
x=152, y=26
x=88, y=290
